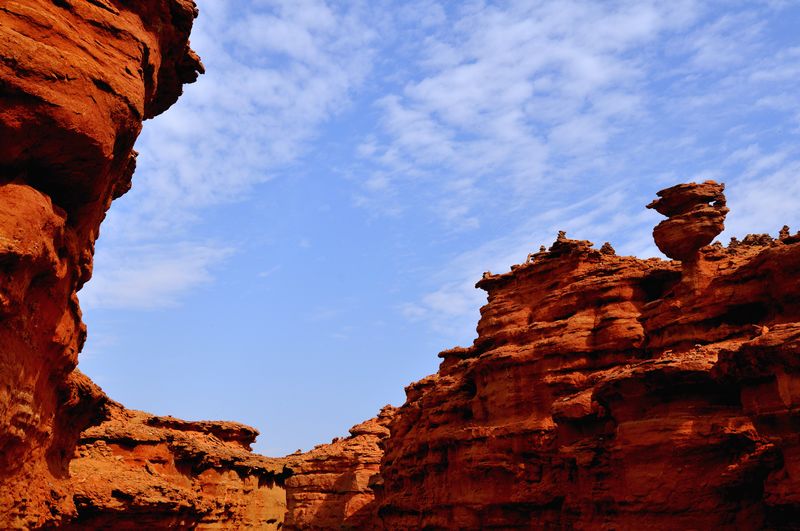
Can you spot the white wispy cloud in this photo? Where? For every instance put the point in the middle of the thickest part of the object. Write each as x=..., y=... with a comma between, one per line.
x=546, y=104
x=763, y=192
x=451, y=308
x=499, y=114
x=513, y=97
x=151, y=276
x=276, y=71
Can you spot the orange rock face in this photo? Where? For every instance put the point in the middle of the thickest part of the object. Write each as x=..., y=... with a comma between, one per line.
x=608, y=392
x=76, y=80
x=603, y=392
x=139, y=471
x=334, y=485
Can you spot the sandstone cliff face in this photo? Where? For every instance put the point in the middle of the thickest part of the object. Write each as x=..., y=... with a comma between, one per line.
x=334, y=485
x=609, y=392
x=76, y=80
x=139, y=471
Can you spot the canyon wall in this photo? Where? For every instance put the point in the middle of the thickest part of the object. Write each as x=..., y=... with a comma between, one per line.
x=602, y=391
x=76, y=80
x=608, y=392
x=334, y=486
x=135, y=470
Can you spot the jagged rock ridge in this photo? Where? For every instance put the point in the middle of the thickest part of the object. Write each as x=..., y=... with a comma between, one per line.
x=140, y=471
x=602, y=392
x=334, y=485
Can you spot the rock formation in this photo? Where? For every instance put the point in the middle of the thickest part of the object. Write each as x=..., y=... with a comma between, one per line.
x=135, y=470
x=608, y=392
x=696, y=215
x=76, y=80
x=334, y=485
x=602, y=391
x=140, y=471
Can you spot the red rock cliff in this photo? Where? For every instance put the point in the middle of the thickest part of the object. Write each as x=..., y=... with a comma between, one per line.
x=608, y=392
x=76, y=80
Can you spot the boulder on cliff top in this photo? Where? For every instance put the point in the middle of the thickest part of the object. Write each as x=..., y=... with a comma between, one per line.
x=696, y=215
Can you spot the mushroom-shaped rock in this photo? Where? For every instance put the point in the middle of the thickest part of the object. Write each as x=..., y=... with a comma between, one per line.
x=696, y=215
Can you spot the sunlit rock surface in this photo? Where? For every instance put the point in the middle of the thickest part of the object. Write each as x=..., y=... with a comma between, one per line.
x=140, y=471
x=76, y=80
x=696, y=215
x=334, y=485
x=602, y=392
x=608, y=392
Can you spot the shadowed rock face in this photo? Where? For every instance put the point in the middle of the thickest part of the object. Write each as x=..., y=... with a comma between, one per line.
x=76, y=80
x=696, y=215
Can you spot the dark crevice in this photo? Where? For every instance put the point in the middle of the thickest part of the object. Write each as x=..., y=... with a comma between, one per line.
x=658, y=284
x=743, y=314
x=63, y=3
x=102, y=85
x=104, y=6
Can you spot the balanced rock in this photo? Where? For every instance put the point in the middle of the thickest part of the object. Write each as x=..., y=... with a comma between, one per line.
x=696, y=215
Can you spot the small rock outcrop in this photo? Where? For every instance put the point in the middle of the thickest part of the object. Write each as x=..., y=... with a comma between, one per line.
x=139, y=471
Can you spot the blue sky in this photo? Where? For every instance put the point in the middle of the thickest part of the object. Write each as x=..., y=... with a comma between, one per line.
x=307, y=223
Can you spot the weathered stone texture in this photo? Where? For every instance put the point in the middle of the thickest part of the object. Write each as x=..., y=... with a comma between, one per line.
x=76, y=80
x=608, y=392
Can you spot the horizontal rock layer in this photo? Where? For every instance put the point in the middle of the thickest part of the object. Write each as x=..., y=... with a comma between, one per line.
x=334, y=485
x=602, y=391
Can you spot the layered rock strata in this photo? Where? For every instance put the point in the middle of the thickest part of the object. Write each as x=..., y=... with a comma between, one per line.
x=140, y=471
x=76, y=80
x=334, y=485
x=608, y=392
x=602, y=392
x=135, y=470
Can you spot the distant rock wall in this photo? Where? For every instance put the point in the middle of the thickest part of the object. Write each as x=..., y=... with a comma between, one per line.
x=334, y=485
x=76, y=80
x=139, y=471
